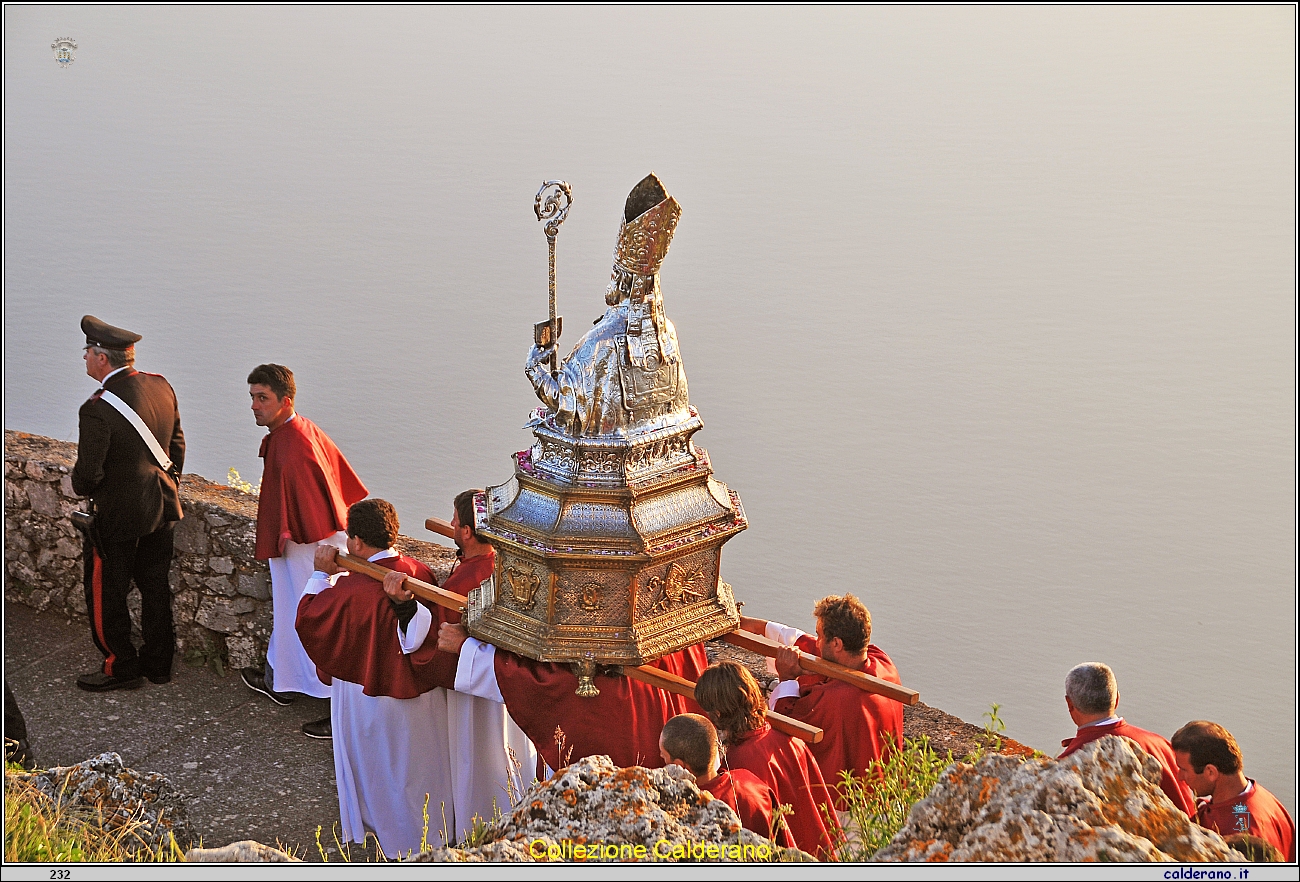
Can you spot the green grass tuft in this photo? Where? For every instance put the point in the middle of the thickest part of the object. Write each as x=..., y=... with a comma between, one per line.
x=877, y=806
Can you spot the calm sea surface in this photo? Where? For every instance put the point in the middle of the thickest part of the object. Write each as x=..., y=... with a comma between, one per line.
x=990, y=313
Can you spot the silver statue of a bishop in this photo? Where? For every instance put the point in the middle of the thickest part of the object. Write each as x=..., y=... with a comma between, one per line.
x=625, y=377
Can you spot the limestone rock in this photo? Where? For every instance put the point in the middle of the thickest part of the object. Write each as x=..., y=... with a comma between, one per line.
x=15, y=496
x=223, y=615
x=243, y=652
x=1103, y=803
x=44, y=499
x=247, y=851
x=592, y=806
x=221, y=585
x=190, y=537
x=255, y=585
x=501, y=851
x=147, y=807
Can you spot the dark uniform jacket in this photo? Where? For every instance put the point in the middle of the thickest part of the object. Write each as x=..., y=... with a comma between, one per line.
x=133, y=495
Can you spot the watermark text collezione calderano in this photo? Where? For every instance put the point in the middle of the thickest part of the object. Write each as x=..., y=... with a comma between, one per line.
x=662, y=850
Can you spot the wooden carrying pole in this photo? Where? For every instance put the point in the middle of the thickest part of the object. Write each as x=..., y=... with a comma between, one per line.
x=432, y=593
x=439, y=526
x=646, y=674
x=681, y=686
x=866, y=682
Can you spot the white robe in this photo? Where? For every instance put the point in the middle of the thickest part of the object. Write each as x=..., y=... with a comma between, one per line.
x=390, y=752
x=494, y=760
x=292, y=670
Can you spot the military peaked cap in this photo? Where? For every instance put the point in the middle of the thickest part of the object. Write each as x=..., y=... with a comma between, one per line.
x=105, y=336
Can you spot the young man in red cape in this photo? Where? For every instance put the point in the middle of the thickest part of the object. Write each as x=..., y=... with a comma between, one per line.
x=859, y=728
x=733, y=702
x=391, y=703
x=1209, y=762
x=1091, y=696
x=388, y=698
x=690, y=741
x=307, y=486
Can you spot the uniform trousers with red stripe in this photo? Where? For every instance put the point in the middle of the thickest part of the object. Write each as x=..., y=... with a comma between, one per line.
x=110, y=569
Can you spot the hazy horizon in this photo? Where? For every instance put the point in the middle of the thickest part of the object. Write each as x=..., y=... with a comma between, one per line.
x=989, y=312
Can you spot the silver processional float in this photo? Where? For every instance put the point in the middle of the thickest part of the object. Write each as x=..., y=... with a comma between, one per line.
x=608, y=537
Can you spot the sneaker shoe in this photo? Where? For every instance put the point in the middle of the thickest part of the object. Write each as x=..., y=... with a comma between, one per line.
x=318, y=729
x=101, y=682
x=256, y=680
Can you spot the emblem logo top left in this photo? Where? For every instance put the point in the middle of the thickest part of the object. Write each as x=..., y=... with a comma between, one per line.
x=64, y=47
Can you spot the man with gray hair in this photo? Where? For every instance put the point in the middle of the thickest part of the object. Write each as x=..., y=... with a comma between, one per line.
x=1092, y=697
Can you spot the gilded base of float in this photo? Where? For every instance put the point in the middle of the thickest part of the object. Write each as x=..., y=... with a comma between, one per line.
x=488, y=620
x=606, y=552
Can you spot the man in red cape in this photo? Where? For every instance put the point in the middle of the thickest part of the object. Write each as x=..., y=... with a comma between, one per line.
x=1209, y=762
x=1091, y=696
x=388, y=712
x=623, y=722
x=690, y=741
x=733, y=701
x=859, y=728
x=307, y=486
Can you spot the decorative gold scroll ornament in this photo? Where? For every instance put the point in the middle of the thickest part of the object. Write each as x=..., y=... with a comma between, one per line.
x=523, y=585
x=677, y=589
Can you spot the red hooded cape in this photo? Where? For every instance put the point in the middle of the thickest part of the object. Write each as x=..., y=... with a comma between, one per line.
x=307, y=486
x=350, y=632
x=753, y=801
x=1156, y=745
x=467, y=574
x=859, y=728
x=623, y=722
x=787, y=766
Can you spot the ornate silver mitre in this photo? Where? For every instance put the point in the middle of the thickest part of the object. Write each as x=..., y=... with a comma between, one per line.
x=650, y=218
x=608, y=537
x=650, y=369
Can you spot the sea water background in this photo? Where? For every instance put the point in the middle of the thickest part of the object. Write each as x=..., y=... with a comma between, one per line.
x=990, y=312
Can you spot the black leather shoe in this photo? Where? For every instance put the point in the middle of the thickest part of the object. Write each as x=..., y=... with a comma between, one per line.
x=101, y=682
x=318, y=729
x=159, y=679
x=256, y=680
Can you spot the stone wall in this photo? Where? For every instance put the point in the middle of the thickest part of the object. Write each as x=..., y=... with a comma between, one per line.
x=221, y=595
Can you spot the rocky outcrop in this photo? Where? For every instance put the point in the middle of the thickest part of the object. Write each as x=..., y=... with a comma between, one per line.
x=247, y=851
x=221, y=595
x=145, y=811
x=1103, y=803
x=592, y=811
